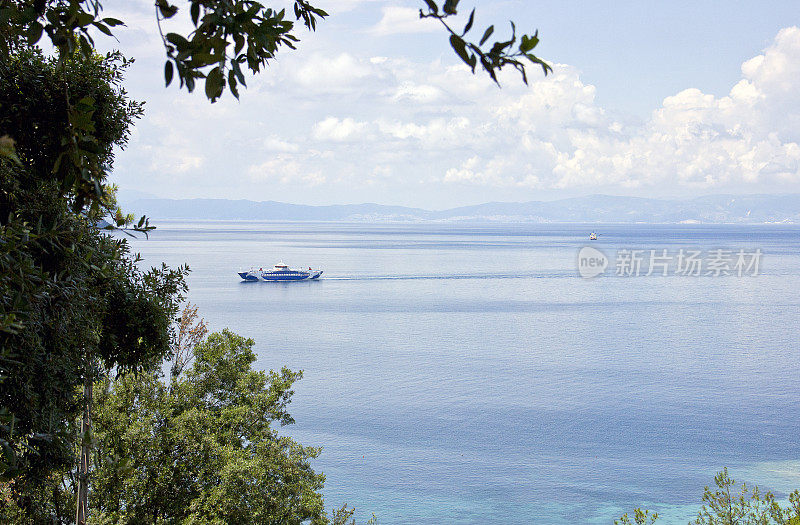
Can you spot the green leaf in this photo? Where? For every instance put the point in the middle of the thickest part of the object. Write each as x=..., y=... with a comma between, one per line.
x=167, y=10
x=90, y=146
x=469, y=23
x=168, y=72
x=528, y=43
x=86, y=47
x=450, y=7
x=102, y=28
x=203, y=59
x=499, y=47
x=214, y=82
x=460, y=48
x=34, y=33
x=238, y=40
x=487, y=34
x=195, y=12
x=238, y=71
x=113, y=22
x=232, y=84
x=432, y=6
x=177, y=40
x=536, y=60
x=52, y=16
x=83, y=19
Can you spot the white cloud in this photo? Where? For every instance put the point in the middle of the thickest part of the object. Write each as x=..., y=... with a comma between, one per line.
x=694, y=140
x=419, y=93
x=274, y=143
x=285, y=170
x=170, y=160
x=436, y=133
x=554, y=135
x=341, y=120
x=340, y=73
x=337, y=130
x=401, y=20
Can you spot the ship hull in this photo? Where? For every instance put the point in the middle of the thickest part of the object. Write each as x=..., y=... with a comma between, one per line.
x=289, y=276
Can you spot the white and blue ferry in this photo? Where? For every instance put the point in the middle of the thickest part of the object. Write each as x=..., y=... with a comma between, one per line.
x=280, y=272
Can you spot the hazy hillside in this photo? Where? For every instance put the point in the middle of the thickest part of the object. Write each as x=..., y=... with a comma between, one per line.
x=752, y=209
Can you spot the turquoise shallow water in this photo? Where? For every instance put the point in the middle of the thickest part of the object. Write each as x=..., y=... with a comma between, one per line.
x=467, y=374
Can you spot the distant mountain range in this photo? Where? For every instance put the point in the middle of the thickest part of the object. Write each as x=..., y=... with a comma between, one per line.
x=749, y=209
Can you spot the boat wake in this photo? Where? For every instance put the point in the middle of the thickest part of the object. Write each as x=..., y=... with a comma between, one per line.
x=529, y=275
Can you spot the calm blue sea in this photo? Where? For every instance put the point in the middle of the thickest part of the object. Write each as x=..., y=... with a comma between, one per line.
x=467, y=374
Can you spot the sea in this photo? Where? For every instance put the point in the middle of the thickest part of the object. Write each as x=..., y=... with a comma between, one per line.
x=470, y=373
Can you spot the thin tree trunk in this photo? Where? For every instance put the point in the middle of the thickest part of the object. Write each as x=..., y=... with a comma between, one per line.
x=56, y=503
x=83, y=466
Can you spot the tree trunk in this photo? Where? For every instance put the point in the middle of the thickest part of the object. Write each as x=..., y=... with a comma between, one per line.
x=83, y=466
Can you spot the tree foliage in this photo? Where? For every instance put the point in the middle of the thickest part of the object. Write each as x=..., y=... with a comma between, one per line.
x=62, y=121
x=200, y=446
x=72, y=300
x=729, y=504
x=495, y=56
x=227, y=36
x=344, y=516
x=191, y=332
x=203, y=447
x=640, y=517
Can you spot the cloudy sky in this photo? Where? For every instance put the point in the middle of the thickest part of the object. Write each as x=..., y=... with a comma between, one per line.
x=659, y=99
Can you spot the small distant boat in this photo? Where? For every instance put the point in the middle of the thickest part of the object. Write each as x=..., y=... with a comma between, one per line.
x=593, y=236
x=280, y=272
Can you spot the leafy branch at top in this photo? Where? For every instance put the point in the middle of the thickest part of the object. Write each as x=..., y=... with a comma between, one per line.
x=228, y=36
x=67, y=23
x=492, y=58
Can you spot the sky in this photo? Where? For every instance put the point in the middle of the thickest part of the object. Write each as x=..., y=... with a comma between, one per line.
x=652, y=99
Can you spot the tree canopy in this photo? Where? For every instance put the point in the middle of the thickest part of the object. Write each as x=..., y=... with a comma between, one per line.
x=73, y=301
x=203, y=447
x=199, y=446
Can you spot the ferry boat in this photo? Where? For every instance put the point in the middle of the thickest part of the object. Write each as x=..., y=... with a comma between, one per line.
x=280, y=272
